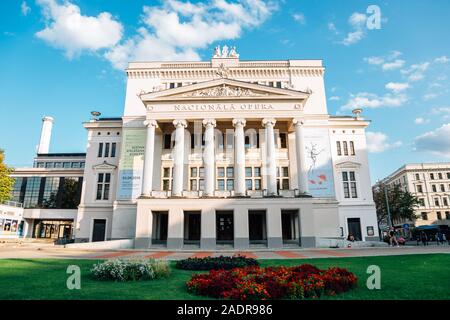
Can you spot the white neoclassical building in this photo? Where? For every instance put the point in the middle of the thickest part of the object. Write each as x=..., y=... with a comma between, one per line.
x=226, y=153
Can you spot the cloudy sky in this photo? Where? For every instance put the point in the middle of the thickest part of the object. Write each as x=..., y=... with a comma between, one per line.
x=66, y=58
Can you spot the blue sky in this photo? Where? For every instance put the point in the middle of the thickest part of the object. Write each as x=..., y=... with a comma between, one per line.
x=66, y=58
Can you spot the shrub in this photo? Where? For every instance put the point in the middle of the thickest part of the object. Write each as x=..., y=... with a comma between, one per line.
x=130, y=270
x=255, y=283
x=216, y=263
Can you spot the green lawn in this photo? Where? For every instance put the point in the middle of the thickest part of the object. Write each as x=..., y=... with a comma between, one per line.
x=402, y=277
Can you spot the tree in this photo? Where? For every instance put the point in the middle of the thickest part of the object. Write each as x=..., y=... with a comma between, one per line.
x=6, y=182
x=402, y=204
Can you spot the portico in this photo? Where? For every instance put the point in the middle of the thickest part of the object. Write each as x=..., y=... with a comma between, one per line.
x=234, y=166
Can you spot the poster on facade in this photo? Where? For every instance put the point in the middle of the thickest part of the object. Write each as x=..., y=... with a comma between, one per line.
x=319, y=163
x=131, y=163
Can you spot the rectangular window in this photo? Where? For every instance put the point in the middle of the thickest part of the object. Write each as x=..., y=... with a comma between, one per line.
x=283, y=140
x=248, y=172
x=230, y=184
x=278, y=84
x=338, y=148
x=253, y=178
x=417, y=177
x=349, y=184
x=100, y=150
x=440, y=176
x=103, y=183
x=167, y=141
x=436, y=202
x=113, y=150
x=230, y=172
x=221, y=172
x=167, y=179
x=447, y=215
x=422, y=202
x=196, y=178
x=445, y=201
x=345, y=148
x=433, y=188
x=221, y=184
x=352, y=148
x=249, y=184
x=419, y=188
x=442, y=187
x=283, y=178
x=106, y=150
x=424, y=216
x=439, y=215
x=448, y=175
x=432, y=176
x=247, y=142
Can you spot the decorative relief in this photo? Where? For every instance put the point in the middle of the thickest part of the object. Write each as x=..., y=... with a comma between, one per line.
x=225, y=91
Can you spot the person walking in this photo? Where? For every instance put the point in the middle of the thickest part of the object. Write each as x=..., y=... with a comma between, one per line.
x=423, y=237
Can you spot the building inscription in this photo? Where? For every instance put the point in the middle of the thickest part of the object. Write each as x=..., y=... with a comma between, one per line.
x=223, y=107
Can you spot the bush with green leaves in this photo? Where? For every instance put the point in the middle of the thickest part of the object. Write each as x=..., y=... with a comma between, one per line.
x=130, y=270
x=216, y=263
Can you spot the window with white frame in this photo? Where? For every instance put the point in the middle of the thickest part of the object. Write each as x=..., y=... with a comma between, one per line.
x=103, y=186
x=253, y=178
x=349, y=184
x=167, y=178
x=106, y=149
x=283, y=178
x=225, y=178
x=345, y=148
x=197, y=178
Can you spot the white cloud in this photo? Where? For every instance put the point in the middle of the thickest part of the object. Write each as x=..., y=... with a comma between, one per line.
x=73, y=32
x=421, y=120
x=373, y=101
x=441, y=110
x=397, y=86
x=176, y=30
x=389, y=62
x=335, y=98
x=299, y=17
x=442, y=59
x=396, y=64
x=416, y=72
x=24, y=8
x=377, y=142
x=437, y=141
x=357, y=21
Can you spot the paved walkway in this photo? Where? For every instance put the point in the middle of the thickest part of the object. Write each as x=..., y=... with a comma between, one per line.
x=31, y=250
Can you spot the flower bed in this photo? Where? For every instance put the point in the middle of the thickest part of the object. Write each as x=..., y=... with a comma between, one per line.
x=130, y=270
x=210, y=263
x=255, y=283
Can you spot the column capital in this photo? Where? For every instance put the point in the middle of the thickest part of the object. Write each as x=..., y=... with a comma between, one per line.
x=209, y=122
x=268, y=121
x=180, y=123
x=239, y=121
x=150, y=122
x=298, y=121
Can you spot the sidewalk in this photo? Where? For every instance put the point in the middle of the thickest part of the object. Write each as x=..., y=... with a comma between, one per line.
x=34, y=251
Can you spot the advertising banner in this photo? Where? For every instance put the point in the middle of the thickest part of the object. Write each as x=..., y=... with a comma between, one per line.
x=319, y=163
x=131, y=163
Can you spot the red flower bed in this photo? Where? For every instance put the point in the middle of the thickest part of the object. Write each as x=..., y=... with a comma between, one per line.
x=255, y=283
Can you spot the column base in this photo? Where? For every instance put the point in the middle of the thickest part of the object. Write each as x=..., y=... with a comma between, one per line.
x=241, y=243
x=275, y=243
x=175, y=243
x=142, y=243
x=308, y=242
x=208, y=243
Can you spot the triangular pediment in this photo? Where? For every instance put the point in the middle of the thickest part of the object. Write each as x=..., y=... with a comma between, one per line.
x=223, y=89
x=104, y=166
x=348, y=165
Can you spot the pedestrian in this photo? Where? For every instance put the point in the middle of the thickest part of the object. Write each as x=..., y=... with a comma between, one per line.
x=441, y=238
x=392, y=237
x=424, y=238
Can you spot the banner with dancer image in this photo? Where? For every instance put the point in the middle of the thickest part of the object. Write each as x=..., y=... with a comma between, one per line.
x=319, y=163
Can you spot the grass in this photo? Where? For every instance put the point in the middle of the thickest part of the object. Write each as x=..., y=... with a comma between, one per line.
x=402, y=277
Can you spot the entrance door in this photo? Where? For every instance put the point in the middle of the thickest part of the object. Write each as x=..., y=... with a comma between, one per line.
x=160, y=227
x=99, y=230
x=354, y=228
x=257, y=226
x=288, y=226
x=192, y=226
x=224, y=226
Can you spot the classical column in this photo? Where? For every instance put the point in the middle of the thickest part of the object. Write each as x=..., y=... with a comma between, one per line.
x=148, y=158
x=239, y=156
x=302, y=170
x=178, y=158
x=271, y=169
x=208, y=157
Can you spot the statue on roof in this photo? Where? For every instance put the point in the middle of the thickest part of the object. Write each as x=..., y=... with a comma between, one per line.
x=233, y=53
x=225, y=51
x=217, y=52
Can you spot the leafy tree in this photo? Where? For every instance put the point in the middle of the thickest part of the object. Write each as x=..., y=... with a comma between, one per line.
x=402, y=204
x=6, y=182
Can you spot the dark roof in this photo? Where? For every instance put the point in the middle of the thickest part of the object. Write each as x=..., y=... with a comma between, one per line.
x=110, y=119
x=63, y=154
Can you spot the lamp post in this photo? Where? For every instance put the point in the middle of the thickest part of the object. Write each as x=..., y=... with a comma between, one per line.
x=387, y=206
